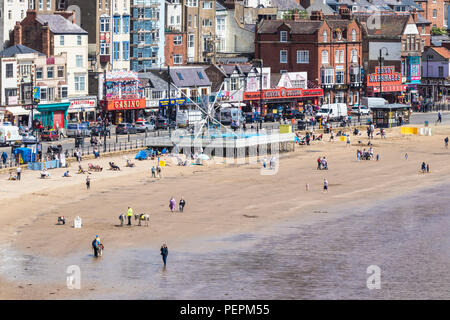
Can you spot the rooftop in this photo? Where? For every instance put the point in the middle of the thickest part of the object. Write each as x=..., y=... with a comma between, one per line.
x=59, y=25
x=18, y=49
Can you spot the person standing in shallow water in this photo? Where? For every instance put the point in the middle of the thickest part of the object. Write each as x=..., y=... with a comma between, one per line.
x=164, y=253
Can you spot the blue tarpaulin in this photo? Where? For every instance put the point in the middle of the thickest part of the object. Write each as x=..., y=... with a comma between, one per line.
x=25, y=154
x=141, y=155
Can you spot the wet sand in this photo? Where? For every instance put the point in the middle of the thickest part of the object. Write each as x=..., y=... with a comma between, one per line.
x=222, y=201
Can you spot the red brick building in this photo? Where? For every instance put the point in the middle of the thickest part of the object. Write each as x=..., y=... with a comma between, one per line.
x=433, y=11
x=327, y=48
x=175, y=51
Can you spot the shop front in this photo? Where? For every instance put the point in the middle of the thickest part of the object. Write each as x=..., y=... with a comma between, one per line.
x=53, y=115
x=282, y=99
x=388, y=80
x=119, y=111
x=83, y=109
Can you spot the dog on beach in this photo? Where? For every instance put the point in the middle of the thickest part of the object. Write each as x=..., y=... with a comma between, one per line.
x=142, y=217
x=61, y=220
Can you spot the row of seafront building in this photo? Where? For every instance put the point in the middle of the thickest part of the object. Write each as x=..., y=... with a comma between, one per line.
x=334, y=49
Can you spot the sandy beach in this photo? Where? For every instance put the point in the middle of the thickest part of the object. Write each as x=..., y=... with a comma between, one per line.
x=221, y=200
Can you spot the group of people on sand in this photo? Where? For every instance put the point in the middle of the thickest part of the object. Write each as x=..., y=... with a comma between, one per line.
x=425, y=167
x=365, y=155
x=322, y=163
x=172, y=204
x=272, y=163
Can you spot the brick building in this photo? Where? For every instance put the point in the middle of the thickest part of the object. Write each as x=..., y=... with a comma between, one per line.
x=175, y=50
x=327, y=48
x=433, y=11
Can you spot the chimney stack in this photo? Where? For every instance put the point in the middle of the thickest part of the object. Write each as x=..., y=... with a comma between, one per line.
x=414, y=14
x=345, y=13
x=317, y=15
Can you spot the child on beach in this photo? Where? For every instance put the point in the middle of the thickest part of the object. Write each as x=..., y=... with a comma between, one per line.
x=325, y=185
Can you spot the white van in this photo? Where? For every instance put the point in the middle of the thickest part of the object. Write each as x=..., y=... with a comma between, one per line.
x=9, y=135
x=335, y=111
x=372, y=101
x=228, y=115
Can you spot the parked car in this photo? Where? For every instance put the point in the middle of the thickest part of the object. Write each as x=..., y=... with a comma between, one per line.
x=251, y=117
x=49, y=135
x=362, y=110
x=289, y=114
x=272, y=117
x=28, y=138
x=144, y=126
x=163, y=123
x=125, y=128
x=78, y=129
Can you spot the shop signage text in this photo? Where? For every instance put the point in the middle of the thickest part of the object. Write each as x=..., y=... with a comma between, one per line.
x=125, y=104
x=173, y=102
x=386, y=75
x=283, y=93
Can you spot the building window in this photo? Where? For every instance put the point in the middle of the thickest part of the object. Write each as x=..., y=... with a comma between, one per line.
x=60, y=72
x=191, y=41
x=324, y=36
x=302, y=56
x=50, y=72
x=80, y=83
x=355, y=75
x=220, y=24
x=195, y=21
x=38, y=73
x=324, y=56
x=44, y=93
x=189, y=20
x=62, y=92
x=41, y=4
x=207, y=22
x=441, y=71
x=104, y=48
x=51, y=94
x=116, y=51
x=126, y=50
x=353, y=35
x=9, y=14
x=207, y=5
x=177, y=59
x=126, y=24
x=336, y=56
x=177, y=40
x=340, y=77
x=104, y=24
x=327, y=76
x=9, y=70
x=117, y=25
x=423, y=29
x=49, y=5
x=340, y=97
x=342, y=56
x=78, y=40
x=283, y=36
x=434, y=13
x=354, y=56
x=79, y=61
x=283, y=56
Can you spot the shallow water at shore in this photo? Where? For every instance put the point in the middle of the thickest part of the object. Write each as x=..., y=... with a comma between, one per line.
x=324, y=258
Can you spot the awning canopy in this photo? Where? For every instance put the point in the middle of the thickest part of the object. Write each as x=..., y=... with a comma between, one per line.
x=18, y=111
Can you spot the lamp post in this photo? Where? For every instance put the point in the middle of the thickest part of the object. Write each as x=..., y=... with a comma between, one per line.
x=260, y=90
x=380, y=64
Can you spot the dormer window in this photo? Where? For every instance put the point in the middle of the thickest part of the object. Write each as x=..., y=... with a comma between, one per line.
x=324, y=36
x=283, y=36
x=353, y=35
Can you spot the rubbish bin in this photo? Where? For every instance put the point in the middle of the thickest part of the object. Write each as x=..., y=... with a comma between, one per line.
x=79, y=142
x=426, y=123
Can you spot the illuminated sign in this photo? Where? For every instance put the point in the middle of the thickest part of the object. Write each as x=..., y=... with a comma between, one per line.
x=283, y=93
x=385, y=75
x=173, y=102
x=125, y=104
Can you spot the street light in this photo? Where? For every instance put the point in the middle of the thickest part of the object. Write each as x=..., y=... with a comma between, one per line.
x=379, y=70
x=260, y=90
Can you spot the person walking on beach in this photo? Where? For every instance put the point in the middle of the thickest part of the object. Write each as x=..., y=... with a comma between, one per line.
x=331, y=135
x=348, y=140
x=158, y=170
x=88, y=182
x=172, y=204
x=18, y=171
x=424, y=167
x=406, y=156
x=325, y=185
x=181, y=204
x=129, y=214
x=95, y=245
x=153, y=172
x=4, y=157
x=319, y=163
x=265, y=163
x=378, y=156
x=439, y=119
x=428, y=168
x=164, y=253
x=446, y=142
x=358, y=155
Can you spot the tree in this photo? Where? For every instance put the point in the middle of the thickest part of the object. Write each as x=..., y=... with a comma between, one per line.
x=438, y=31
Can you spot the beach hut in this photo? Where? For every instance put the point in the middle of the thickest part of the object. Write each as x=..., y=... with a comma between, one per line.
x=391, y=115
